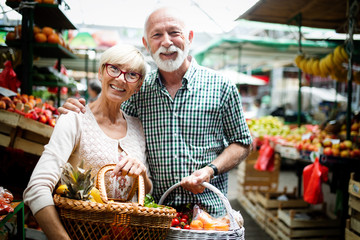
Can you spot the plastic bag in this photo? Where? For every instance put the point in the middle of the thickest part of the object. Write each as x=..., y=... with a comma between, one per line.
x=8, y=77
x=313, y=175
x=203, y=221
x=265, y=161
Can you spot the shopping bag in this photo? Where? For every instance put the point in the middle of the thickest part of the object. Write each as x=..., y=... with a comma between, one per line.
x=8, y=77
x=313, y=175
x=265, y=161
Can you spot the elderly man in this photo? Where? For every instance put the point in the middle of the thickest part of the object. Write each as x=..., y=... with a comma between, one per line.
x=192, y=117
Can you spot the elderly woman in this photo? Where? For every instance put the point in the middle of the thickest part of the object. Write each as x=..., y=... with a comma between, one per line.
x=98, y=137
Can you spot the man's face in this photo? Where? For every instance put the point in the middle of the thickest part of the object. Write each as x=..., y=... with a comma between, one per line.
x=167, y=41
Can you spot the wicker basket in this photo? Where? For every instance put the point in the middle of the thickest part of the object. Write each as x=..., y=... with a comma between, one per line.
x=113, y=220
x=235, y=232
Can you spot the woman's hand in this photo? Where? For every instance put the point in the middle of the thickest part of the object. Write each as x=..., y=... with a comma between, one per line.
x=129, y=166
x=73, y=104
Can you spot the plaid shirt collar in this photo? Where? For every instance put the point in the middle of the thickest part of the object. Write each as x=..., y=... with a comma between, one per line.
x=188, y=80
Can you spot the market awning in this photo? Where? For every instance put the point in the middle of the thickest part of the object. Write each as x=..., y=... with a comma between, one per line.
x=330, y=14
x=257, y=51
x=243, y=79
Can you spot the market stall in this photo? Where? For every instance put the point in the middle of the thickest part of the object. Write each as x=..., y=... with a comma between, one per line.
x=339, y=152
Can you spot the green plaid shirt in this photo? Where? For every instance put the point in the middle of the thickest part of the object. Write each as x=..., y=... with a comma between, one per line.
x=184, y=133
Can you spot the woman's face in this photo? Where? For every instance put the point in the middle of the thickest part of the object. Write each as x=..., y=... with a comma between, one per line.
x=117, y=89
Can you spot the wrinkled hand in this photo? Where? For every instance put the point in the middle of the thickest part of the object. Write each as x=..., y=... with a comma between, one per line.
x=129, y=166
x=193, y=182
x=73, y=104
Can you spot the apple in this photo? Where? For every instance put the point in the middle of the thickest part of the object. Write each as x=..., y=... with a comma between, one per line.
x=345, y=153
x=328, y=151
x=327, y=143
x=342, y=146
x=355, y=126
x=356, y=152
x=335, y=152
x=348, y=144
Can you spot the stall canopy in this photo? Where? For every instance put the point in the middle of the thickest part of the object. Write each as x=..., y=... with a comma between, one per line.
x=330, y=14
x=243, y=79
x=255, y=51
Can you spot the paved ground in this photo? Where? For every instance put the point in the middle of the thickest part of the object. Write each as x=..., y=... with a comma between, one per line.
x=252, y=230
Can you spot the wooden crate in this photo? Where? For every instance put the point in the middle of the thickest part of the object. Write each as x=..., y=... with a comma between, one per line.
x=270, y=199
x=247, y=205
x=354, y=202
x=8, y=125
x=354, y=186
x=251, y=179
x=22, y=133
x=307, y=223
x=349, y=233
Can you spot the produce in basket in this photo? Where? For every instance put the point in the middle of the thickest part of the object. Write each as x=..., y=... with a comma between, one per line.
x=78, y=181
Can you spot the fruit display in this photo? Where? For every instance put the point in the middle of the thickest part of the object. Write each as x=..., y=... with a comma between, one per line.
x=30, y=107
x=6, y=198
x=41, y=35
x=268, y=126
x=330, y=65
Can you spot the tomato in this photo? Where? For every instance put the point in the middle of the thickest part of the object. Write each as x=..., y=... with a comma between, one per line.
x=185, y=216
x=179, y=215
x=175, y=222
x=178, y=227
x=184, y=220
x=187, y=226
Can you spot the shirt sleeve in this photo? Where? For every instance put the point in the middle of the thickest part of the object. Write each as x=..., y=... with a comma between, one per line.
x=235, y=126
x=47, y=172
x=129, y=106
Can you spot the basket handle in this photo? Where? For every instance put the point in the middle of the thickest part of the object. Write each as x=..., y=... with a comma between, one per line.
x=101, y=184
x=225, y=201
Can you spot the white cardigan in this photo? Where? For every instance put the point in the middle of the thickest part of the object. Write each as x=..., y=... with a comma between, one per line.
x=77, y=136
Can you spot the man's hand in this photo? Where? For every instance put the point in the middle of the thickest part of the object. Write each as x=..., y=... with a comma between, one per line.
x=73, y=104
x=193, y=182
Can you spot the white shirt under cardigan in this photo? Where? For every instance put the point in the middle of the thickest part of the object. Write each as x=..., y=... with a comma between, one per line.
x=77, y=136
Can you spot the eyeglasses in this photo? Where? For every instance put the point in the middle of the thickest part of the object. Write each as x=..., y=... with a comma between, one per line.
x=115, y=72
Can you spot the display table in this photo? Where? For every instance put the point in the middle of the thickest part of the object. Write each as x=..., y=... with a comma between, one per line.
x=19, y=211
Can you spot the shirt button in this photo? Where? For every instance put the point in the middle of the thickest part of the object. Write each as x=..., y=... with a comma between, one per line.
x=175, y=114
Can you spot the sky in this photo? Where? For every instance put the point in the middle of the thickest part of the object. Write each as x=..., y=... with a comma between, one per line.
x=213, y=16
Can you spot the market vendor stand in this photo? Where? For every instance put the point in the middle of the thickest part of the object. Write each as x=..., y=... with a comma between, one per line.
x=18, y=207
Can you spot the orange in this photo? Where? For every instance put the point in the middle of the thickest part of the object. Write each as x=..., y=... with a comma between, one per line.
x=53, y=38
x=222, y=226
x=204, y=217
x=36, y=30
x=40, y=38
x=47, y=30
x=210, y=225
x=196, y=225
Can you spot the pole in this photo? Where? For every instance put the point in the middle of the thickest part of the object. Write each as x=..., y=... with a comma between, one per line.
x=299, y=19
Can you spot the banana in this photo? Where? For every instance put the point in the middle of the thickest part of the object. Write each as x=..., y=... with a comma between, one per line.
x=298, y=59
x=329, y=63
x=344, y=54
x=337, y=57
x=95, y=193
x=303, y=64
x=316, y=67
x=323, y=68
x=309, y=65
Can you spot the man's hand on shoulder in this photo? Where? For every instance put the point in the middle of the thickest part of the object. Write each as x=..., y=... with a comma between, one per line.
x=73, y=104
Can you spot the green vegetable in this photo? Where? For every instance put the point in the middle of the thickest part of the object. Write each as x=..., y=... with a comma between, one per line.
x=150, y=202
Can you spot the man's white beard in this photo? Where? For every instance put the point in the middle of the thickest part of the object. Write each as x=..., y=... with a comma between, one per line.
x=170, y=65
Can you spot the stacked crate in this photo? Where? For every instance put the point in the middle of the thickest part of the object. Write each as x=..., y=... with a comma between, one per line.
x=22, y=133
x=352, y=231
x=298, y=224
x=268, y=204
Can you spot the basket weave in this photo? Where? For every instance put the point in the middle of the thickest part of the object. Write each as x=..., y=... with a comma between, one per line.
x=113, y=220
x=235, y=232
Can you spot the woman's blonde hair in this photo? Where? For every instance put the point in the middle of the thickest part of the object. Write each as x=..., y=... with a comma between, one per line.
x=126, y=55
